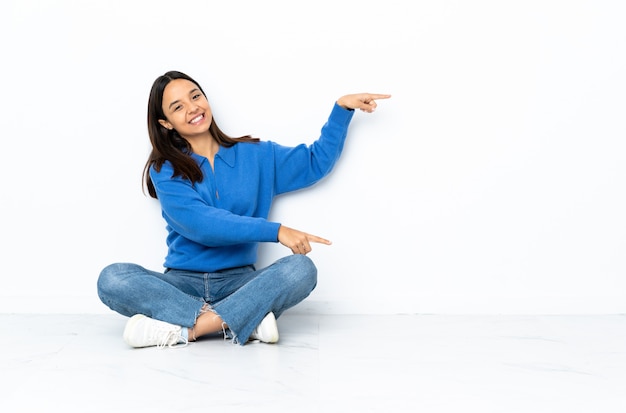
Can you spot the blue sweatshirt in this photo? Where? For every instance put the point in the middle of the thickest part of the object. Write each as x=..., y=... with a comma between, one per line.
x=217, y=223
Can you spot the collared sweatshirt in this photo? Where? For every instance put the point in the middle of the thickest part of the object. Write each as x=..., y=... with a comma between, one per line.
x=218, y=223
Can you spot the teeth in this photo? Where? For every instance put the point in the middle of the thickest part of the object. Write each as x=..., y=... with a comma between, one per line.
x=196, y=119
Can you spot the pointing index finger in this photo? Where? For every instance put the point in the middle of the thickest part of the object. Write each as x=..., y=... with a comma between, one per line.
x=378, y=96
x=319, y=240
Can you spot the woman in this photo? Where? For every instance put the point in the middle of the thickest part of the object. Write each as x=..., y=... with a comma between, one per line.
x=215, y=194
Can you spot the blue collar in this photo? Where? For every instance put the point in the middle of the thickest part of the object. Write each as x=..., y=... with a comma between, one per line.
x=227, y=155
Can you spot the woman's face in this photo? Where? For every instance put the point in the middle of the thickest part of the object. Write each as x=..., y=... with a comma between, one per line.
x=186, y=108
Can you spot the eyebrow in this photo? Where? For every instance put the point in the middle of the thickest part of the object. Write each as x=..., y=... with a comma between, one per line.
x=176, y=101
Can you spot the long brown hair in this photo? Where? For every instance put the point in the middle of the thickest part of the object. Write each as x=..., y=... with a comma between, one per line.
x=168, y=145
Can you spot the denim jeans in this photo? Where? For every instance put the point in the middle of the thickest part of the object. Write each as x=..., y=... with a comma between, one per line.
x=240, y=296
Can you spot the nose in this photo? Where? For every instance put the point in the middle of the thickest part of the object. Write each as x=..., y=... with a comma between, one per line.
x=192, y=107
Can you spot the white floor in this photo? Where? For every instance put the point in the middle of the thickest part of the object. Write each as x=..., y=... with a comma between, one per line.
x=403, y=363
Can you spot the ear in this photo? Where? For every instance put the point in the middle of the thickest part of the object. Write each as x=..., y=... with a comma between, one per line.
x=166, y=124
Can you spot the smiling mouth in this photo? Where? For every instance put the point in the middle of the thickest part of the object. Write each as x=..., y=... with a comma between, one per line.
x=197, y=119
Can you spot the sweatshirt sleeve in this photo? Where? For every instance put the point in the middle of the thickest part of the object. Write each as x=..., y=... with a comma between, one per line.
x=190, y=216
x=301, y=166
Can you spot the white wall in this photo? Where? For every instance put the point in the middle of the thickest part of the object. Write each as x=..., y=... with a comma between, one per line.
x=492, y=182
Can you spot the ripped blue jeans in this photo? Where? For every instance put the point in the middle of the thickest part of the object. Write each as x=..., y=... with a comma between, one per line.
x=240, y=296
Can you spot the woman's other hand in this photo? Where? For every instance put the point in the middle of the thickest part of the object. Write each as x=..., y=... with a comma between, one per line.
x=363, y=101
x=297, y=241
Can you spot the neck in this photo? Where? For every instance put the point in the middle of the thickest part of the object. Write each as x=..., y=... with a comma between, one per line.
x=205, y=146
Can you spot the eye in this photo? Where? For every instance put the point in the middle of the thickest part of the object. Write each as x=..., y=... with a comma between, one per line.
x=177, y=107
x=196, y=96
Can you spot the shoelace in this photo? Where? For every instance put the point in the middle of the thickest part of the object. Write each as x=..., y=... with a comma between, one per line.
x=171, y=340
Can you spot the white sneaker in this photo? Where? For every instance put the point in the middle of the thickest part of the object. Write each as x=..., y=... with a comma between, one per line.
x=142, y=331
x=267, y=331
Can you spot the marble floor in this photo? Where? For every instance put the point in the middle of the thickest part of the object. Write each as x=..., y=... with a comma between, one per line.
x=323, y=363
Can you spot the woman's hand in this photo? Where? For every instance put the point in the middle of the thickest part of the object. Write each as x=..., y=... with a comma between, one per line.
x=297, y=241
x=363, y=101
